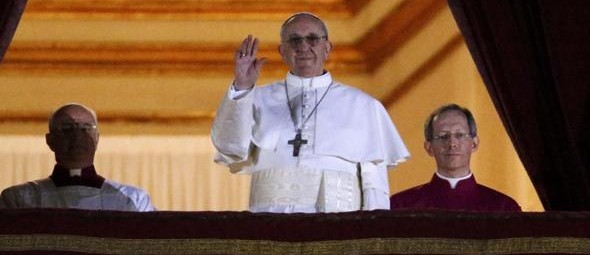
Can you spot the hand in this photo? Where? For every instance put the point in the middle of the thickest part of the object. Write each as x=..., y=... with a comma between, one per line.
x=248, y=66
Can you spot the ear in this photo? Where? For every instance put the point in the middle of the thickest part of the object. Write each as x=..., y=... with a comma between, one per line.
x=475, y=144
x=281, y=49
x=328, y=48
x=50, y=141
x=428, y=148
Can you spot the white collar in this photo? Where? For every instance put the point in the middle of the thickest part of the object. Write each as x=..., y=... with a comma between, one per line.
x=321, y=81
x=76, y=172
x=454, y=180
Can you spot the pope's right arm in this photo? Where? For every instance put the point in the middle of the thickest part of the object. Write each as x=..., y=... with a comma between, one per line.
x=232, y=128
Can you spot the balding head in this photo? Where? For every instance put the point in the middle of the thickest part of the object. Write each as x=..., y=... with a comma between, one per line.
x=73, y=135
x=59, y=111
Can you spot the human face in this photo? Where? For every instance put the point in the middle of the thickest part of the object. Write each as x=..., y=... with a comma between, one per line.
x=304, y=59
x=73, y=137
x=453, y=154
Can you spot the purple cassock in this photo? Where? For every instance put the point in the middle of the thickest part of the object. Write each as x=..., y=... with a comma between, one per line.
x=467, y=196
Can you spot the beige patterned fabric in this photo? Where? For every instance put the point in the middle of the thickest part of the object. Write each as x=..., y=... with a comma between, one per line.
x=304, y=190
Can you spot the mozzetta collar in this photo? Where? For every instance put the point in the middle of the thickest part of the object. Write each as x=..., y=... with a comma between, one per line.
x=321, y=81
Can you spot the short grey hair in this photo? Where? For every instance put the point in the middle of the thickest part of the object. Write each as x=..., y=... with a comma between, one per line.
x=61, y=108
x=304, y=14
x=428, y=130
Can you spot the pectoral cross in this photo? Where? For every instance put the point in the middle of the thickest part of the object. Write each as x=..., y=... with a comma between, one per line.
x=297, y=142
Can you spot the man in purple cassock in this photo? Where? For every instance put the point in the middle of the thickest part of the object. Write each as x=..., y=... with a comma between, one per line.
x=451, y=138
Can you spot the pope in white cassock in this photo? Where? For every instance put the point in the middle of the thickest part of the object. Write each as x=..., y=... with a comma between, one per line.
x=311, y=143
x=74, y=183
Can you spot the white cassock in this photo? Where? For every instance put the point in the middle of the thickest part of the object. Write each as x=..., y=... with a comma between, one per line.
x=44, y=194
x=349, y=128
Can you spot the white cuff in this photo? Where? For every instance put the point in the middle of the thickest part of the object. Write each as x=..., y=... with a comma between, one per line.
x=235, y=94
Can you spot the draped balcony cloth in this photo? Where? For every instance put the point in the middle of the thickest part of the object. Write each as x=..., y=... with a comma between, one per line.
x=10, y=14
x=533, y=58
x=72, y=231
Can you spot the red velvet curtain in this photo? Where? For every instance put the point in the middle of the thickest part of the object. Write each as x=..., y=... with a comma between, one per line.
x=10, y=14
x=534, y=57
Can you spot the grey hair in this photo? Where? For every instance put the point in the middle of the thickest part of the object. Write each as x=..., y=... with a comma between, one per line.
x=428, y=130
x=295, y=16
x=61, y=108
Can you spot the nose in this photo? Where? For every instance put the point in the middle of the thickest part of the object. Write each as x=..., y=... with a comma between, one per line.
x=303, y=45
x=453, y=142
x=76, y=134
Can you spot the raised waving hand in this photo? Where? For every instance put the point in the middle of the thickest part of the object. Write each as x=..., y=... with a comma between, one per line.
x=248, y=66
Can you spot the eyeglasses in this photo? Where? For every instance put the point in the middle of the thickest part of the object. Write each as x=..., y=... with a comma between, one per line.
x=311, y=40
x=70, y=128
x=446, y=136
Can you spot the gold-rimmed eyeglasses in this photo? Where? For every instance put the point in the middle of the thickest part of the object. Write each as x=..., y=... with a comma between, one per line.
x=70, y=128
x=446, y=136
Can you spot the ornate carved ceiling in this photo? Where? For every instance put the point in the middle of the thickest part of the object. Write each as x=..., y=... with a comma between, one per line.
x=362, y=55
x=192, y=9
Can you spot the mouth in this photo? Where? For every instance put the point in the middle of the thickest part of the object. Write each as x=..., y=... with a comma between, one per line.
x=77, y=148
x=304, y=57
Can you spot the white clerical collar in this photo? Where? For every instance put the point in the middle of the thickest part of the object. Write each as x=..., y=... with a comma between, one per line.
x=321, y=81
x=454, y=180
x=76, y=172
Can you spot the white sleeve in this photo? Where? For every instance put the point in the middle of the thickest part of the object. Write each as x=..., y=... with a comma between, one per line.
x=375, y=186
x=231, y=133
x=8, y=199
x=143, y=202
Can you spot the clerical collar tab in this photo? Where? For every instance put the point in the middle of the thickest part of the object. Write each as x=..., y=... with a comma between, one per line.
x=453, y=181
x=76, y=172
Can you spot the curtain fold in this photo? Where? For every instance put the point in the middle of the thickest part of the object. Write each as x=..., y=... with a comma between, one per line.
x=10, y=14
x=532, y=56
